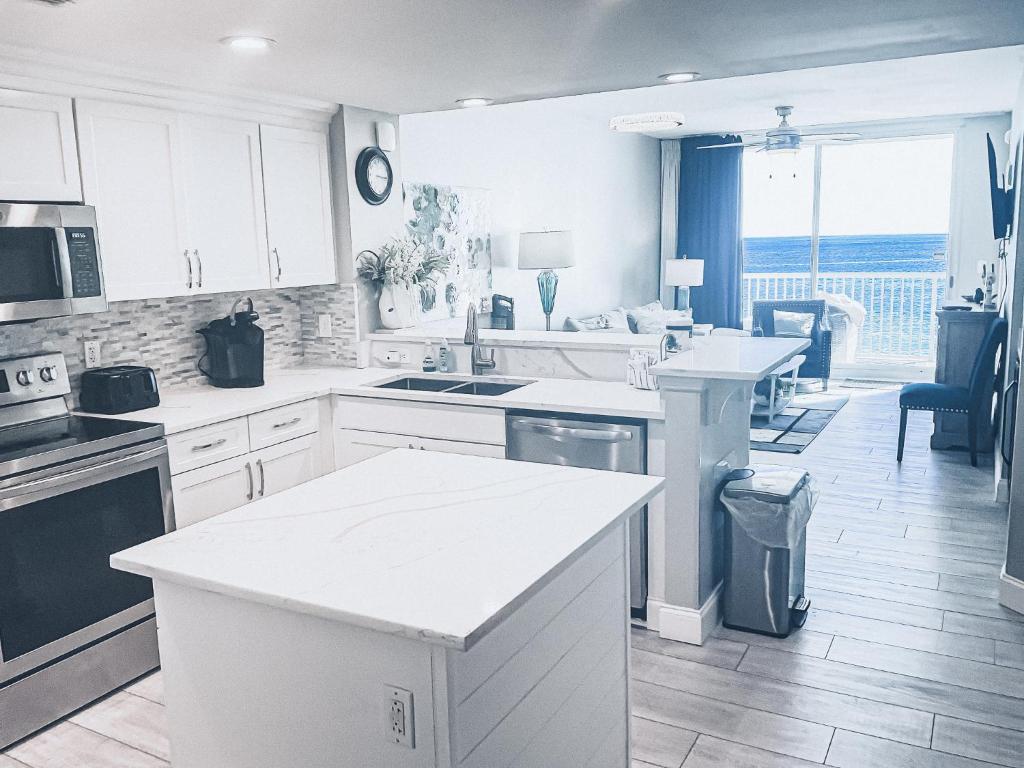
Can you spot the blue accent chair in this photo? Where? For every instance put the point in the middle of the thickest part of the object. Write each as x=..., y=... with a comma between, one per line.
x=975, y=400
x=819, y=355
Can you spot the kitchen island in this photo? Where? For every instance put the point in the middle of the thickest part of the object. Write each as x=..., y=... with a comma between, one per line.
x=415, y=609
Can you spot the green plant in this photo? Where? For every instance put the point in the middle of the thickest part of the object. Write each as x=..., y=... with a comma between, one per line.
x=403, y=262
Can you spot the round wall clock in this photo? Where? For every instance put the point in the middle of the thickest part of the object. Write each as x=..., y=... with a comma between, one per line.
x=374, y=176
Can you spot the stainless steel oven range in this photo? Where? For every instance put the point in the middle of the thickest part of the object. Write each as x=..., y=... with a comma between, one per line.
x=73, y=490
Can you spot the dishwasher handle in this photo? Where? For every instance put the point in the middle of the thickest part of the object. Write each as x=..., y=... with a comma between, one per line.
x=573, y=433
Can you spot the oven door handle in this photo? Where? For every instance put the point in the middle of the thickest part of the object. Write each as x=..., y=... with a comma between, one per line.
x=110, y=468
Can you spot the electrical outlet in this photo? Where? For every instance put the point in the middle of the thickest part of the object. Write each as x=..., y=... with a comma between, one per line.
x=399, y=723
x=93, y=356
x=324, y=328
x=485, y=305
x=396, y=357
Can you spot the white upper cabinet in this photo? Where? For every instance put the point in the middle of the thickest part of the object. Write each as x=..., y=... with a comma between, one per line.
x=297, y=187
x=38, y=161
x=227, y=232
x=132, y=173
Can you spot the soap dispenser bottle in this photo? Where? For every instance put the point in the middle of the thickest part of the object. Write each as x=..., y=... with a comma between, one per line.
x=429, y=366
x=444, y=357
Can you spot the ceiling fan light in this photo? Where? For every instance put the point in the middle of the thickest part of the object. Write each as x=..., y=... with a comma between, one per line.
x=474, y=101
x=647, y=122
x=248, y=42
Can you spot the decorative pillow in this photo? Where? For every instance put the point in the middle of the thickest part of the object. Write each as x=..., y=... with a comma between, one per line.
x=613, y=321
x=616, y=319
x=793, y=324
x=647, y=309
x=643, y=320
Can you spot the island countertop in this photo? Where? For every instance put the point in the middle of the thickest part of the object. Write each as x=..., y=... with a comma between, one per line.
x=737, y=358
x=431, y=546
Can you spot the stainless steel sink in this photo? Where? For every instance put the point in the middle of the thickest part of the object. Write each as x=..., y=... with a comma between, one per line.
x=479, y=387
x=416, y=384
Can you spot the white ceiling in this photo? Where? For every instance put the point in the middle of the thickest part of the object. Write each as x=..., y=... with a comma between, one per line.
x=413, y=55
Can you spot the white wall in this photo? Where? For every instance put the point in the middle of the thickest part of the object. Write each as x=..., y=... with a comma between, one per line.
x=552, y=164
x=970, y=215
x=359, y=225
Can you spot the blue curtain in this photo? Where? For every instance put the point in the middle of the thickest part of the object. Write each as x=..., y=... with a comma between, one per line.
x=709, y=226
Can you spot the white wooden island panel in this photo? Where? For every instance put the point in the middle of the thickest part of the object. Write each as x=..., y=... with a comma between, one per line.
x=494, y=592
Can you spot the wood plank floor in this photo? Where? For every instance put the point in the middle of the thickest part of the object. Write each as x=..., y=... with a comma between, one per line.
x=907, y=659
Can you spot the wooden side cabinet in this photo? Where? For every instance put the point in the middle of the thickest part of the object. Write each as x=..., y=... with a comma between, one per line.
x=960, y=337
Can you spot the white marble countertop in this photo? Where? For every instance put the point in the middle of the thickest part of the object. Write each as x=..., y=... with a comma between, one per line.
x=491, y=337
x=730, y=357
x=189, y=407
x=431, y=546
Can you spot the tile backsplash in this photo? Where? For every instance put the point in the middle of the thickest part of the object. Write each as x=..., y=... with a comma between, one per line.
x=161, y=333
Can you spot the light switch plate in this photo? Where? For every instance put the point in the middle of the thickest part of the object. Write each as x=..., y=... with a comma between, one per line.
x=485, y=305
x=398, y=722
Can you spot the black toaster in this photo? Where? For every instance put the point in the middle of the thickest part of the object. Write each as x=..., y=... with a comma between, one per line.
x=119, y=389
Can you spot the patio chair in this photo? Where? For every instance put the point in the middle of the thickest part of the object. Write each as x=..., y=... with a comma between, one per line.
x=974, y=400
x=819, y=354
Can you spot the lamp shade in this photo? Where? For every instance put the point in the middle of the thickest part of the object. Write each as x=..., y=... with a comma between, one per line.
x=684, y=272
x=546, y=250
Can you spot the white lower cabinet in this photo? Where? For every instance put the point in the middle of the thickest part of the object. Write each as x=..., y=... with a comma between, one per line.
x=352, y=446
x=286, y=465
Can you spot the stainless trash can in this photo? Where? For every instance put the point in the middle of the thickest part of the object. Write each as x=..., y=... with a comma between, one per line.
x=765, y=547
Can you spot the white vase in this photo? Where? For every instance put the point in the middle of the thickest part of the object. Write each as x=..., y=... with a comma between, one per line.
x=399, y=306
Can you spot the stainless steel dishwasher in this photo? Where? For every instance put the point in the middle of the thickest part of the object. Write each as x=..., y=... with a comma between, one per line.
x=572, y=440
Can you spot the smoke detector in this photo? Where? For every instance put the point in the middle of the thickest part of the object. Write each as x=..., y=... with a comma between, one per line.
x=647, y=122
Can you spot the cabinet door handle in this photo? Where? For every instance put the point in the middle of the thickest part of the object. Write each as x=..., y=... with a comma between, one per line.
x=263, y=476
x=207, y=446
x=199, y=261
x=289, y=423
x=252, y=485
x=277, y=257
x=188, y=283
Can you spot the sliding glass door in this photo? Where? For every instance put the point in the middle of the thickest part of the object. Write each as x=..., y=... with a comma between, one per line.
x=864, y=225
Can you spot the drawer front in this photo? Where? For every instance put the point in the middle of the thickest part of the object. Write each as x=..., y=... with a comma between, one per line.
x=443, y=422
x=352, y=446
x=206, y=445
x=284, y=423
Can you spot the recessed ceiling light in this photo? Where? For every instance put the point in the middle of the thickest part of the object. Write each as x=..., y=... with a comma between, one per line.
x=680, y=77
x=646, y=122
x=476, y=101
x=248, y=42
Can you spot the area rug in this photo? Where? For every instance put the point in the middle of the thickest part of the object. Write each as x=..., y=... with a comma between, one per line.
x=794, y=428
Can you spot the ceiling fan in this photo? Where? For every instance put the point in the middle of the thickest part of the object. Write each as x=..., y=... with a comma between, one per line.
x=786, y=138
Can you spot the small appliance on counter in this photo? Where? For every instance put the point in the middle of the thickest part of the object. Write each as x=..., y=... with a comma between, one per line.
x=503, y=316
x=119, y=389
x=234, y=349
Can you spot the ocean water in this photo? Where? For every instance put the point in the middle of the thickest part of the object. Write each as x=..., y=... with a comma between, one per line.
x=900, y=318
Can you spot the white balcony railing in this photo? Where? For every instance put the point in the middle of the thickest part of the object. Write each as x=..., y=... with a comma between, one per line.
x=900, y=322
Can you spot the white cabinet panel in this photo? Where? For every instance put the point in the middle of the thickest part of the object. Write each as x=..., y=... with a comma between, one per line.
x=284, y=423
x=131, y=172
x=297, y=188
x=209, y=491
x=286, y=465
x=352, y=446
x=38, y=156
x=227, y=232
x=207, y=445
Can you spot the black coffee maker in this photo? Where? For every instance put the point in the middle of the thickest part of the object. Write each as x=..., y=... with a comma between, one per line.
x=234, y=349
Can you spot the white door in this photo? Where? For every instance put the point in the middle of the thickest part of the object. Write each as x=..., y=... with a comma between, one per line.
x=38, y=155
x=297, y=187
x=286, y=464
x=132, y=173
x=226, y=218
x=213, y=489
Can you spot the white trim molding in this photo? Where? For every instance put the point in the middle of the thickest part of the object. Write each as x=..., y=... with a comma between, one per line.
x=1011, y=592
x=685, y=625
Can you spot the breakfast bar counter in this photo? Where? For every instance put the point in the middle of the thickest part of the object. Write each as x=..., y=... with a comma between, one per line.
x=415, y=609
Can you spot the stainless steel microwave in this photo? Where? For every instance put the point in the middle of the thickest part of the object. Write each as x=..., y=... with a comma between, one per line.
x=49, y=262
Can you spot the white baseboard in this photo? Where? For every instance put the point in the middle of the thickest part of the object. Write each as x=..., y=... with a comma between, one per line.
x=1011, y=592
x=684, y=625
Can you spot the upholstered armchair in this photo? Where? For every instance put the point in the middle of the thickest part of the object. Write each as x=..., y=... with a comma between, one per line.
x=819, y=354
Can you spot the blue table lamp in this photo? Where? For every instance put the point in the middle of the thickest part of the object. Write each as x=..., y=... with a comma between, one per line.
x=546, y=251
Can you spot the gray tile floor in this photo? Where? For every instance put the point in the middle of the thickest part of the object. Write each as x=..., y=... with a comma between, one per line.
x=907, y=660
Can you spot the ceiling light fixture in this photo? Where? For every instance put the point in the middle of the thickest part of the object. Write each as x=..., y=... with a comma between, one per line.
x=248, y=42
x=680, y=77
x=646, y=122
x=476, y=101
